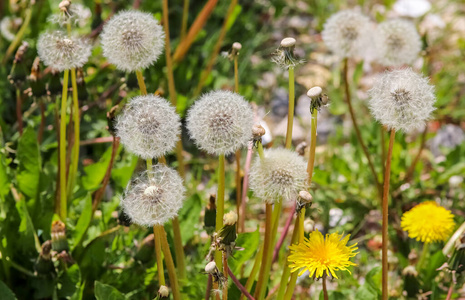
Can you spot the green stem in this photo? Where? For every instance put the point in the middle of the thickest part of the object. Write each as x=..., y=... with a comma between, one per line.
x=220, y=206
x=161, y=273
x=19, y=35
x=287, y=270
x=178, y=248
x=385, y=237
x=423, y=256
x=290, y=114
x=253, y=273
x=261, y=284
x=141, y=82
x=76, y=119
x=169, y=264
x=311, y=160
x=64, y=97
x=185, y=17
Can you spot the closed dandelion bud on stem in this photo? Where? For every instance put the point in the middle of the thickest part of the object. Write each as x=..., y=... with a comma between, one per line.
x=428, y=222
x=402, y=100
x=62, y=52
x=44, y=264
x=411, y=283
x=227, y=234
x=210, y=215
x=59, y=241
x=281, y=175
x=148, y=126
x=345, y=33
x=132, y=40
x=220, y=122
x=154, y=197
x=397, y=42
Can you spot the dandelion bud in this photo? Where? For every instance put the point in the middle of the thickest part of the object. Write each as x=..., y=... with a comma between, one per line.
x=402, y=100
x=411, y=284
x=345, y=32
x=154, y=197
x=230, y=218
x=397, y=42
x=309, y=225
x=284, y=56
x=132, y=40
x=236, y=47
x=210, y=215
x=148, y=126
x=163, y=292
x=44, y=264
x=211, y=268
x=59, y=241
x=410, y=271
x=413, y=257
x=62, y=52
x=258, y=131
x=280, y=175
x=220, y=122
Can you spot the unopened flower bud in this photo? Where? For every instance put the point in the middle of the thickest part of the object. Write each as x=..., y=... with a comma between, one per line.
x=163, y=291
x=230, y=218
x=211, y=268
x=410, y=271
x=59, y=241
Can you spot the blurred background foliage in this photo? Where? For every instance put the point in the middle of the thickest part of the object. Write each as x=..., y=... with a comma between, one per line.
x=108, y=259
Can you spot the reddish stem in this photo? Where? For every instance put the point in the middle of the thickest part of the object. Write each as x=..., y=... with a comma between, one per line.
x=239, y=285
x=283, y=235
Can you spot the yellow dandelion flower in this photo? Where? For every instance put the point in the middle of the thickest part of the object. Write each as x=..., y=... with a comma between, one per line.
x=428, y=222
x=322, y=255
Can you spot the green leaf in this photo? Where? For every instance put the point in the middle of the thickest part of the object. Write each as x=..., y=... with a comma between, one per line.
x=189, y=216
x=26, y=228
x=373, y=279
x=5, y=292
x=4, y=180
x=29, y=163
x=122, y=172
x=95, y=172
x=248, y=241
x=84, y=220
x=366, y=292
x=107, y=292
x=69, y=282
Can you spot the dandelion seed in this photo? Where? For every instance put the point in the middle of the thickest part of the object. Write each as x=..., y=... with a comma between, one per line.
x=397, y=42
x=322, y=256
x=61, y=51
x=345, y=33
x=281, y=175
x=148, y=126
x=428, y=222
x=154, y=197
x=402, y=100
x=220, y=122
x=132, y=40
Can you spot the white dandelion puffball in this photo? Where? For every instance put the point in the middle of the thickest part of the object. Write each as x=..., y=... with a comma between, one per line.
x=154, y=197
x=148, y=126
x=132, y=40
x=220, y=122
x=281, y=175
x=76, y=14
x=63, y=52
x=397, y=42
x=402, y=100
x=345, y=32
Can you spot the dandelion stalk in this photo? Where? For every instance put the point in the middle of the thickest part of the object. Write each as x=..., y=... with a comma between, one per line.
x=185, y=18
x=141, y=82
x=169, y=264
x=387, y=176
x=255, y=269
x=423, y=255
x=220, y=205
x=64, y=97
x=325, y=290
x=357, y=129
x=158, y=255
x=287, y=270
x=76, y=119
x=290, y=114
x=179, y=249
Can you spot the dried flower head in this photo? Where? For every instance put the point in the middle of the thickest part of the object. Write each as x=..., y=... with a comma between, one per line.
x=280, y=175
x=428, y=222
x=284, y=56
x=71, y=13
x=318, y=98
x=63, y=52
x=163, y=291
x=148, y=126
x=345, y=33
x=154, y=197
x=220, y=122
x=132, y=40
x=322, y=256
x=402, y=100
x=9, y=26
x=397, y=42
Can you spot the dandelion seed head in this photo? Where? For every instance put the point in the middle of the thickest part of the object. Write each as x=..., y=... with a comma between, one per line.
x=71, y=13
x=428, y=222
x=280, y=175
x=154, y=197
x=344, y=33
x=132, y=40
x=220, y=122
x=148, y=126
x=402, y=100
x=62, y=52
x=322, y=256
x=397, y=42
